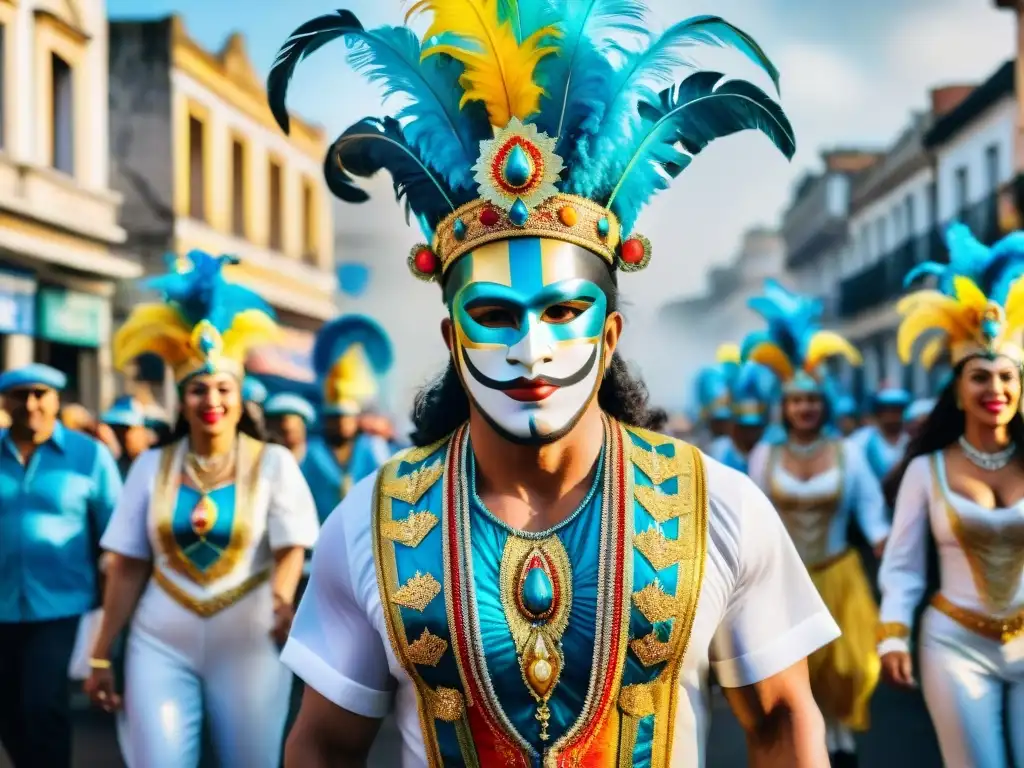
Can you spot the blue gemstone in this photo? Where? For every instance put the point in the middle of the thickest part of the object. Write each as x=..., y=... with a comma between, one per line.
x=518, y=168
x=459, y=229
x=538, y=592
x=518, y=213
x=602, y=227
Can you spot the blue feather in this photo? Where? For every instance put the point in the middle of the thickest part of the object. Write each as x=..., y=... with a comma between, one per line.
x=702, y=108
x=575, y=80
x=639, y=79
x=375, y=144
x=337, y=336
x=921, y=270
x=528, y=16
x=792, y=321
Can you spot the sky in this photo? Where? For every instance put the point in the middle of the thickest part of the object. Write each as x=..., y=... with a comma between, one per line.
x=852, y=74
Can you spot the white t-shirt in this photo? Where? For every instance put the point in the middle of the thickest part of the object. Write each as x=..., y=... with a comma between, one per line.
x=758, y=614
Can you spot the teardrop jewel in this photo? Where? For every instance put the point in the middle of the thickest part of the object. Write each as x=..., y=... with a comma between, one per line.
x=204, y=516
x=518, y=168
x=519, y=213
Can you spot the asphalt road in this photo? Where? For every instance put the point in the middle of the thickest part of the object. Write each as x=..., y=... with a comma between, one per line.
x=901, y=736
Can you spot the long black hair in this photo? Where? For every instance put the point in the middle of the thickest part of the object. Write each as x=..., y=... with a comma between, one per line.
x=943, y=427
x=250, y=423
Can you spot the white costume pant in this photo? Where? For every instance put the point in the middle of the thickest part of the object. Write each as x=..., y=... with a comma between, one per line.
x=963, y=676
x=180, y=666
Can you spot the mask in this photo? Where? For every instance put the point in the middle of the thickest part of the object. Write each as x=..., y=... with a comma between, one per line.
x=528, y=316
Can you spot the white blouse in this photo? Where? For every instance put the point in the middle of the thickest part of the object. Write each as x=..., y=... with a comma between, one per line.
x=281, y=514
x=853, y=484
x=981, y=550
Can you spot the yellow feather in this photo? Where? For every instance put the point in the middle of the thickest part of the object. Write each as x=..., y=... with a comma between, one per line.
x=151, y=328
x=931, y=351
x=771, y=356
x=968, y=294
x=499, y=70
x=826, y=344
x=1015, y=306
x=351, y=378
x=728, y=353
x=249, y=329
x=919, y=323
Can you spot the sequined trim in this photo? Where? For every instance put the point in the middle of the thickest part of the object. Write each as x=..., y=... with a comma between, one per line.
x=411, y=531
x=638, y=700
x=215, y=604
x=417, y=592
x=411, y=487
x=892, y=630
x=165, y=497
x=428, y=649
x=651, y=649
x=660, y=551
x=998, y=629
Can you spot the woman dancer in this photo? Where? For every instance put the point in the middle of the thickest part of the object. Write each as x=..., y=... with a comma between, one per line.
x=962, y=482
x=817, y=483
x=211, y=532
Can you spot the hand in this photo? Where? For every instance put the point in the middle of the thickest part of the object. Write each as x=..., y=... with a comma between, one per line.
x=101, y=689
x=879, y=549
x=898, y=669
x=283, y=614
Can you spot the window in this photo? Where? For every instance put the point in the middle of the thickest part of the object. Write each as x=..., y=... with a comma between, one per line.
x=309, y=233
x=238, y=187
x=960, y=192
x=992, y=168
x=908, y=216
x=276, y=241
x=897, y=226
x=883, y=237
x=196, y=169
x=933, y=204
x=865, y=244
x=62, y=114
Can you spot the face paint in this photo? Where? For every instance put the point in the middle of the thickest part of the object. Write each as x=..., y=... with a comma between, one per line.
x=528, y=316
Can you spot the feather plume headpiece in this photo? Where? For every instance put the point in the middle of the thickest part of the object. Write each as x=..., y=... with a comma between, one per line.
x=751, y=394
x=712, y=390
x=204, y=324
x=537, y=118
x=350, y=355
x=794, y=346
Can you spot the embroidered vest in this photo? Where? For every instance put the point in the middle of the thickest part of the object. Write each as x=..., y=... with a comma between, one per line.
x=222, y=553
x=808, y=519
x=648, y=572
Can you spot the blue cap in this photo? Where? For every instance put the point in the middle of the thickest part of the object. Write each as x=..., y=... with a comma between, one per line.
x=124, y=412
x=919, y=409
x=253, y=391
x=844, y=406
x=892, y=397
x=33, y=375
x=284, y=404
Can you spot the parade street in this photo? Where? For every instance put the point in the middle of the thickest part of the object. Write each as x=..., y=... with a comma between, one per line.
x=901, y=735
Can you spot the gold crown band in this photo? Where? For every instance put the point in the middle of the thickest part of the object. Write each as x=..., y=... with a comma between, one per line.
x=569, y=218
x=196, y=366
x=965, y=349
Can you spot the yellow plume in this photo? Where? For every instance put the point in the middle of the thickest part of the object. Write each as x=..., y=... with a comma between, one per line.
x=728, y=353
x=1015, y=306
x=968, y=294
x=826, y=344
x=499, y=69
x=351, y=378
x=249, y=329
x=152, y=329
x=771, y=356
x=931, y=352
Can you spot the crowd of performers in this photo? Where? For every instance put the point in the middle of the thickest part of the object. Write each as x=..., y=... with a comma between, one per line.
x=544, y=578
x=941, y=474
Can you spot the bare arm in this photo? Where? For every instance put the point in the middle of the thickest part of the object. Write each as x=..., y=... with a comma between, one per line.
x=327, y=736
x=126, y=577
x=288, y=564
x=783, y=725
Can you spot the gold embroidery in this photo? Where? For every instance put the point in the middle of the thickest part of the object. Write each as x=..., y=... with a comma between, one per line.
x=892, y=629
x=655, y=604
x=417, y=454
x=215, y=604
x=1001, y=630
x=513, y=558
x=411, y=487
x=412, y=531
x=659, y=551
x=807, y=519
x=445, y=704
x=662, y=506
x=417, y=592
x=427, y=650
x=657, y=466
x=650, y=649
x=637, y=700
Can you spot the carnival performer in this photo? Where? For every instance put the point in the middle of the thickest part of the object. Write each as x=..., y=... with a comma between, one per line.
x=963, y=482
x=750, y=399
x=289, y=417
x=540, y=553
x=128, y=422
x=712, y=388
x=350, y=355
x=845, y=413
x=817, y=484
x=885, y=440
x=206, y=543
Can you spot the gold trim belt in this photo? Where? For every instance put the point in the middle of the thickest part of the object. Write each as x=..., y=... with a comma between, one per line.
x=216, y=604
x=1001, y=630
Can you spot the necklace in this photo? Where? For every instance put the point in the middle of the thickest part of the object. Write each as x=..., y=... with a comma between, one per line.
x=990, y=462
x=805, y=450
x=204, y=478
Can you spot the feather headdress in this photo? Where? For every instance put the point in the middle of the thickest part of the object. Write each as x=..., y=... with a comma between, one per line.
x=533, y=118
x=204, y=324
x=751, y=394
x=794, y=346
x=712, y=390
x=350, y=355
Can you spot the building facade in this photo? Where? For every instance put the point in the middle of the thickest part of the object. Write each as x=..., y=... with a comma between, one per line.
x=61, y=248
x=202, y=165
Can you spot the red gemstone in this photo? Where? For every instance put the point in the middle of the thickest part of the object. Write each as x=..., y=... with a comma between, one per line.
x=488, y=217
x=632, y=251
x=426, y=261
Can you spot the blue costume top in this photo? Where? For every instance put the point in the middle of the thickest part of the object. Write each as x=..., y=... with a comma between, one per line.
x=52, y=513
x=328, y=480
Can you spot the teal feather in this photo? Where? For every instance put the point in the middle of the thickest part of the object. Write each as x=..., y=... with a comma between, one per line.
x=642, y=75
x=792, y=321
x=528, y=16
x=336, y=337
x=704, y=107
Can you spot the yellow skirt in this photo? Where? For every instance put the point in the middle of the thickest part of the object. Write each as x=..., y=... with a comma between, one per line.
x=845, y=672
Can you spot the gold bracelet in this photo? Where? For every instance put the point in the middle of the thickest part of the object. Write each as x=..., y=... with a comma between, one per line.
x=99, y=664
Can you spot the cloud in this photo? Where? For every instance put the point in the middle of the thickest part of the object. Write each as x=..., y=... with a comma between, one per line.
x=820, y=77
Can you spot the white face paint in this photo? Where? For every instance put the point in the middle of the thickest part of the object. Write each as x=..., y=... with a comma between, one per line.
x=529, y=336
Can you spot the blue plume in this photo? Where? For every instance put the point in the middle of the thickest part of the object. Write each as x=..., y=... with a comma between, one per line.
x=711, y=385
x=752, y=381
x=1005, y=267
x=643, y=74
x=202, y=293
x=702, y=108
x=792, y=321
x=375, y=144
x=528, y=16
x=336, y=337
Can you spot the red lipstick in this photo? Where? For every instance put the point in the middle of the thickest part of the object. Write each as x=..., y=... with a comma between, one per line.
x=211, y=417
x=527, y=391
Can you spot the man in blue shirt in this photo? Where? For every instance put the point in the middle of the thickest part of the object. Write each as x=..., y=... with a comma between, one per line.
x=58, y=489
